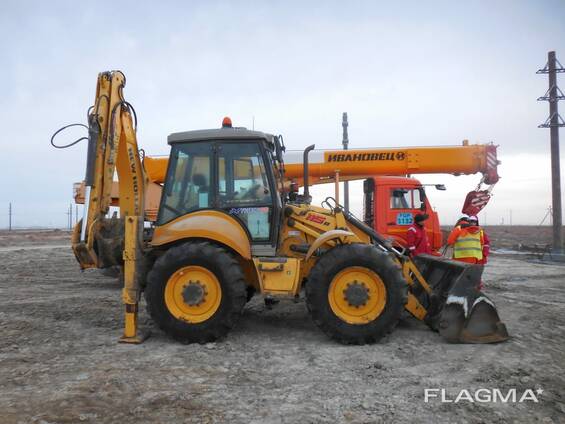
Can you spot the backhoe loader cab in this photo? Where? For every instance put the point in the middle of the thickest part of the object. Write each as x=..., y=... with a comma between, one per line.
x=229, y=170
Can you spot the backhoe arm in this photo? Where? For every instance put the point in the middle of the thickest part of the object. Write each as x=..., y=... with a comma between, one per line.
x=112, y=146
x=99, y=241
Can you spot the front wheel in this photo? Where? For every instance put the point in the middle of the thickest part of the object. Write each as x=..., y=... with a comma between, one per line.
x=356, y=294
x=195, y=292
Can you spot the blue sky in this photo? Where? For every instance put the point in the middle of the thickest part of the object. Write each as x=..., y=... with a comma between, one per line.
x=408, y=73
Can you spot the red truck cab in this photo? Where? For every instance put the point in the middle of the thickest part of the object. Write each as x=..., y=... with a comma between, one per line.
x=390, y=204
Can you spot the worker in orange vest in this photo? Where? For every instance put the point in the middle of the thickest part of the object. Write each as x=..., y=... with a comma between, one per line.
x=470, y=243
x=417, y=238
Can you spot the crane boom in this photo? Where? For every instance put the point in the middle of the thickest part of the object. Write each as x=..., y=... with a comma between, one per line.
x=356, y=164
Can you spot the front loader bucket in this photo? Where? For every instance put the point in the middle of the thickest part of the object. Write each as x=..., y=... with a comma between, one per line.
x=457, y=308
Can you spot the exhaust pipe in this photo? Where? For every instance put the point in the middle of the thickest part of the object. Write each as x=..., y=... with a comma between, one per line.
x=307, y=197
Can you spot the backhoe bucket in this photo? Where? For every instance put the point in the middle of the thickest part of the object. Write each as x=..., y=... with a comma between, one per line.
x=457, y=308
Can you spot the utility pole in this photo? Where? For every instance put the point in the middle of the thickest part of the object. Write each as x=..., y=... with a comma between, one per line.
x=10, y=217
x=345, y=142
x=553, y=95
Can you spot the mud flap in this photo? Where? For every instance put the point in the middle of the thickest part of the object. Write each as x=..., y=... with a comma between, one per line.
x=457, y=308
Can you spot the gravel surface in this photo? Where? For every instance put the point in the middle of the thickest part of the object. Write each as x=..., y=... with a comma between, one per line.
x=60, y=361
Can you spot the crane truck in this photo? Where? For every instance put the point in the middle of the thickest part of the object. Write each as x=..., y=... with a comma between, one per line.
x=230, y=221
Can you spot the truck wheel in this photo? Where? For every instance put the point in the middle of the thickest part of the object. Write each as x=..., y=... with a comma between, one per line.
x=356, y=294
x=195, y=292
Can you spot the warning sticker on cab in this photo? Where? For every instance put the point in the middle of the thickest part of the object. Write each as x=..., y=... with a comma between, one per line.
x=404, y=218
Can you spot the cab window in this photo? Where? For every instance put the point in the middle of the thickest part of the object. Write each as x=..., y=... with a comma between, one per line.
x=403, y=198
x=187, y=186
x=242, y=177
x=400, y=198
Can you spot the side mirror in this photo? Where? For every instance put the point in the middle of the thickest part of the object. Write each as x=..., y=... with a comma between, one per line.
x=440, y=187
x=279, y=148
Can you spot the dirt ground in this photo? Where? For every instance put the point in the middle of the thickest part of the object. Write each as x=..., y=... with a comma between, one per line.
x=60, y=362
x=35, y=238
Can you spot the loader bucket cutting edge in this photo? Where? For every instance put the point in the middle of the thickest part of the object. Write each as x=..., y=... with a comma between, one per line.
x=479, y=325
x=457, y=308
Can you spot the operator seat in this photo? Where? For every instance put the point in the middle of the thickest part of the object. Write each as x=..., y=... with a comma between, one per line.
x=199, y=180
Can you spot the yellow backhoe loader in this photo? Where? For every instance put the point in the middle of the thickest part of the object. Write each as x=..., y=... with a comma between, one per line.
x=230, y=224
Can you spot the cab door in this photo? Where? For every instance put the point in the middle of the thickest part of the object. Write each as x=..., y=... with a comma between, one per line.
x=245, y=190
x=403, y=204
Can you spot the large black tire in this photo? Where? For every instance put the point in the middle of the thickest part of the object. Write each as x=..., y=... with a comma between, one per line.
x=355, y=255
x=229, y=274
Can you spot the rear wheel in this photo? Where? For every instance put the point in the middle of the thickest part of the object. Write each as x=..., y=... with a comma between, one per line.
x=356, y=294
x=195, y=292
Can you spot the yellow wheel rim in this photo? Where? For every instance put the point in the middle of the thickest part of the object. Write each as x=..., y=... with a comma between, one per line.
x=193, y=294
x=357, y=295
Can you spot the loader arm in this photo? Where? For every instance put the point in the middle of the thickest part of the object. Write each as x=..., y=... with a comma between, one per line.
x=99, y=241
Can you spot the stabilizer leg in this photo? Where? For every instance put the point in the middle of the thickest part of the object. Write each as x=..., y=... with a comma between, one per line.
x=131, y=292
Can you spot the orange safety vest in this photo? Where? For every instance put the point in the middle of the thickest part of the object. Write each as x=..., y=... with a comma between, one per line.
x=469, y=245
